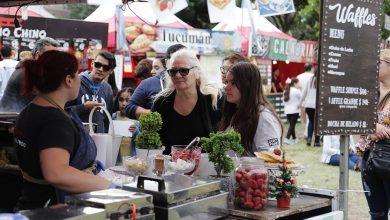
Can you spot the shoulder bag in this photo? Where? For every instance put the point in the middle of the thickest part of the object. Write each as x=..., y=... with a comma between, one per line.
x=378, y=162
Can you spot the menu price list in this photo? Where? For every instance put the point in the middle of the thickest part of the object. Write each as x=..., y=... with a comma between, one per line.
x=348, y=75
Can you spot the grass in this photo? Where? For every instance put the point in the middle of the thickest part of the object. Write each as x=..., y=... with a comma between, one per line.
x=319, y=175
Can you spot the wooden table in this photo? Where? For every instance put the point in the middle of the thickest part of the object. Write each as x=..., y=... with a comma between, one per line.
x=302, y=207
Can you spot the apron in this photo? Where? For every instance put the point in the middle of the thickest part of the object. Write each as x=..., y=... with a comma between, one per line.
x=85, y=155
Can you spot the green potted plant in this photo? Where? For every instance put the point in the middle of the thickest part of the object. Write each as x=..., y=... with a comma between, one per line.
x=218, y=145
x=283, y=186
x=148, y=140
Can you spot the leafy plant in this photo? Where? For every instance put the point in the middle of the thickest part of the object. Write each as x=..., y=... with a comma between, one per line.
x=284, y=185
x=149, y=138
x=218, y=145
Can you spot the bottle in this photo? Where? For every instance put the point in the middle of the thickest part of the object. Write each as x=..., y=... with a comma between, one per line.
x=251, y=188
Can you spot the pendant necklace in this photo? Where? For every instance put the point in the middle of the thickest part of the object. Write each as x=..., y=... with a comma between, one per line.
x=52, y=102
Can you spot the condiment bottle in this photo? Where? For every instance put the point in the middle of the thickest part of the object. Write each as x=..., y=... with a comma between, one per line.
x=251, y=191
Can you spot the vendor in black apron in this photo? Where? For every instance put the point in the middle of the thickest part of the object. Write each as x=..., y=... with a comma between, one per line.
x=54, y=151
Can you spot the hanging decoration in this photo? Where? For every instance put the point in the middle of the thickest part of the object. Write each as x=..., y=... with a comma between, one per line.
x=220, y=9
x=275, y=7
x=163, y=8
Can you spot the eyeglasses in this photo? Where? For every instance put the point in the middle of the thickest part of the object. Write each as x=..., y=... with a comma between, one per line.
x=98, y=65
x=182, y=71
x=224, y=69
x=382, y=60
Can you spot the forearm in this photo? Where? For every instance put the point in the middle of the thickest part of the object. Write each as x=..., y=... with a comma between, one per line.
x=140, y=111
x=73, y=180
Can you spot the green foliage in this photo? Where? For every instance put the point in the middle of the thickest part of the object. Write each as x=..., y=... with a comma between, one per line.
x=148, y=140
x=150, y=121
x=217, y=146
x=149, y=137
x=386, y=10
x=81, y=11
x=284, y=185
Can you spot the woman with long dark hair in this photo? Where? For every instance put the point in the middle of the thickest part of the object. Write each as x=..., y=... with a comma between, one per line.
x=247, y=110
x=291, y=97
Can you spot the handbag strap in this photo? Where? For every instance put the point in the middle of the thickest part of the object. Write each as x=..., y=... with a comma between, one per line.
x=111, y=130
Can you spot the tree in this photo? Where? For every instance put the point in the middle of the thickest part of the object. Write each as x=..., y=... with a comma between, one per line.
x=80, y=11
x=386, y=10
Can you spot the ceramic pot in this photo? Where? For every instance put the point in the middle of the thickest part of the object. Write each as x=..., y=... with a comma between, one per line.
x=283, y=202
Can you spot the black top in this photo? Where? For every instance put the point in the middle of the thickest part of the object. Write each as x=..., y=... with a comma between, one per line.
x=180, y=130
x=12, y=99
x=36, y=129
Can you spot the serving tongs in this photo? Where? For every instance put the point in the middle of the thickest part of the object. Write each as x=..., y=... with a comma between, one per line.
x=194, y=142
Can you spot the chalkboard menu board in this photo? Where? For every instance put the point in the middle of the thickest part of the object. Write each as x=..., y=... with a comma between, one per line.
x=348, y=72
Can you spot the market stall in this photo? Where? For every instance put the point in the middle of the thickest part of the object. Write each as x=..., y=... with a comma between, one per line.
x=271, y=48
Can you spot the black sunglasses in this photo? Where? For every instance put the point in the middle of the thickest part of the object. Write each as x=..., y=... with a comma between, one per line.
x=182, y=71
x=98, y=65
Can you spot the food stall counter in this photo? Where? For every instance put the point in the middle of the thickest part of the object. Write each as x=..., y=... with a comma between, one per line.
x=302, y=207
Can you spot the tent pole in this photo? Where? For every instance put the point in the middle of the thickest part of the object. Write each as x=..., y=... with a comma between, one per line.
x=248, y=5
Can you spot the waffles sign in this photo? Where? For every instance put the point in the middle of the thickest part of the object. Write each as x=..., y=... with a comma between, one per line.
x=347, y=88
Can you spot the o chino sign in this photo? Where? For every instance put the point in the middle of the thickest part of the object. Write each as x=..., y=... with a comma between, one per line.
x=347, y=82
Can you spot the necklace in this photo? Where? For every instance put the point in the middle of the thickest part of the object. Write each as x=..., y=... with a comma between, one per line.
x=52, y=102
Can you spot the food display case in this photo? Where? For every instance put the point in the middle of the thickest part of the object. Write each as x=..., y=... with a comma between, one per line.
x=116, y=203
x=179, y=196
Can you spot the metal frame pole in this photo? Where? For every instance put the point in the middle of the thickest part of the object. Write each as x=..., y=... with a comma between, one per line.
x=344, y=174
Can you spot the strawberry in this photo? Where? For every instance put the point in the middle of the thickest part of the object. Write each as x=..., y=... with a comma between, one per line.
x=258, y=176
x=257, y=192
x=256, y=200
x=253, y=184
x=242, y=194
x=247, y=176
x=238, y=176
x=249, y=198
x=258, y=206
x=242, y=200
x=250, y=191
x=163, y=6
x=247, y=169
x=260, y=182
x=249, y=204
x=277, y=152
x=244, y=184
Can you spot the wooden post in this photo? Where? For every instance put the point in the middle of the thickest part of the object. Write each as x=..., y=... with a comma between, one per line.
x=344, y=174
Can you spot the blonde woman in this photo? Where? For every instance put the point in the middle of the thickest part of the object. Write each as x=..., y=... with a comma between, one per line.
x=188, y=105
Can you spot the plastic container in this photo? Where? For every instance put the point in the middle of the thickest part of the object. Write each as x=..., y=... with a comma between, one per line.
x=251, y=188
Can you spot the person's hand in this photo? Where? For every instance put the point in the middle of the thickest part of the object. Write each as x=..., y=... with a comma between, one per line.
x=91, y=104
x=132, y=127
x=382, y=132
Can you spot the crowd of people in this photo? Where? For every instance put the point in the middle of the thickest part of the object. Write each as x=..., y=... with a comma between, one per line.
x=54, y=101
